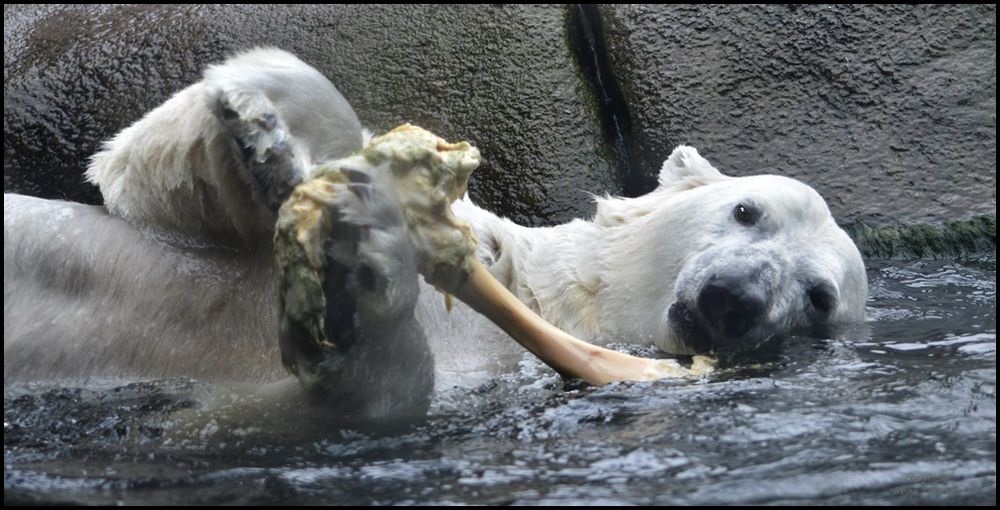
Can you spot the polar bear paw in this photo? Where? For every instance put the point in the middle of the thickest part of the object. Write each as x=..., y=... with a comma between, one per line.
x=262, y=143
x=348, y=272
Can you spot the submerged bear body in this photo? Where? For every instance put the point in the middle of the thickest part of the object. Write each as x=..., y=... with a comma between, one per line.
x=176, y=276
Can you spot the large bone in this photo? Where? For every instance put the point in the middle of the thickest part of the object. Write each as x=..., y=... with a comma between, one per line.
x=427, y=175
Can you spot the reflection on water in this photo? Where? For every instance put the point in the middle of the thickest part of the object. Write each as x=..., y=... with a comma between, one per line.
x=900, y=411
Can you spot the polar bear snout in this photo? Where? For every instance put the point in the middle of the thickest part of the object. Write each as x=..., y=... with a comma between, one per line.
x=732, y=304
x=734, y=297
x=731, y=299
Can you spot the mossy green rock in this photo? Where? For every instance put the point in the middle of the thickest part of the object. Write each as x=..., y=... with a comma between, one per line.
x=972, y=239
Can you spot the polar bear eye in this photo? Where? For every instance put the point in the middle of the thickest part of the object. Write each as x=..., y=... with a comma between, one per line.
x=746, y=215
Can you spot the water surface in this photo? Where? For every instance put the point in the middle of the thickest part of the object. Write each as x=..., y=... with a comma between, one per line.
x=900, y=411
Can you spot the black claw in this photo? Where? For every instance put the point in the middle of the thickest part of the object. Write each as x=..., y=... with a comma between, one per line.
x=278, y=148
x=338, y=317
x=245, y=150
x=274, y=177
x=268, y=121
x=356, y=175
x=363, y=191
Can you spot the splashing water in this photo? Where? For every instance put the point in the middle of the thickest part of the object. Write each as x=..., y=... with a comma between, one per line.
x=902, y=411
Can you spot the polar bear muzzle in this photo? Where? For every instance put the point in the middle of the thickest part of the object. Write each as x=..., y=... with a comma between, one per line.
x=738, y=299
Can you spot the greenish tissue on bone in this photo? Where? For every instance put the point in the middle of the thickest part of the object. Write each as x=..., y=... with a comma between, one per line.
x=301, y=290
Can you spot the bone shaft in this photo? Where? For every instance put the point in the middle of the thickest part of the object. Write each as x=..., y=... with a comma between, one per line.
x=563, y=352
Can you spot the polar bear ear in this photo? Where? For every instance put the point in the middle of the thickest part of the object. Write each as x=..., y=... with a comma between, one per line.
x=685, y=164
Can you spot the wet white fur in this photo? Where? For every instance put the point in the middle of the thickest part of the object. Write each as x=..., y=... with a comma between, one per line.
x=185, y=284
x=614, y=277
x=174, y=167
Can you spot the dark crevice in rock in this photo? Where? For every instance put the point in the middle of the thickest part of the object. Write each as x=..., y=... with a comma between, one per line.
x=587, y=36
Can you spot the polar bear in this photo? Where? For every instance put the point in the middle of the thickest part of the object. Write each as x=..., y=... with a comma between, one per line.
x=175, y=276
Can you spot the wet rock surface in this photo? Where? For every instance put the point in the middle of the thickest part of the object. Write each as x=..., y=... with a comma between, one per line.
x=888, y=111
x=503, y=77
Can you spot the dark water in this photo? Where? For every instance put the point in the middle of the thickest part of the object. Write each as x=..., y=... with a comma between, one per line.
x=901, y=411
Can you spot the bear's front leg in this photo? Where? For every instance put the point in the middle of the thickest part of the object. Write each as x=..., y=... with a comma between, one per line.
x=261, y=143
x=349, y=285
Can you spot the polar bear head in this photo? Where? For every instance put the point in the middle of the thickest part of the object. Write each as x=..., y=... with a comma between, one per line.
x=727, y=263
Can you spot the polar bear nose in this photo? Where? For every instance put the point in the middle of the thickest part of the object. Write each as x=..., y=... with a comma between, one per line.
x=731, y=305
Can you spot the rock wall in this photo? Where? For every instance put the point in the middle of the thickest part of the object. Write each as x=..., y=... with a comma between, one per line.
x=889, y=111
x=504, y=77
